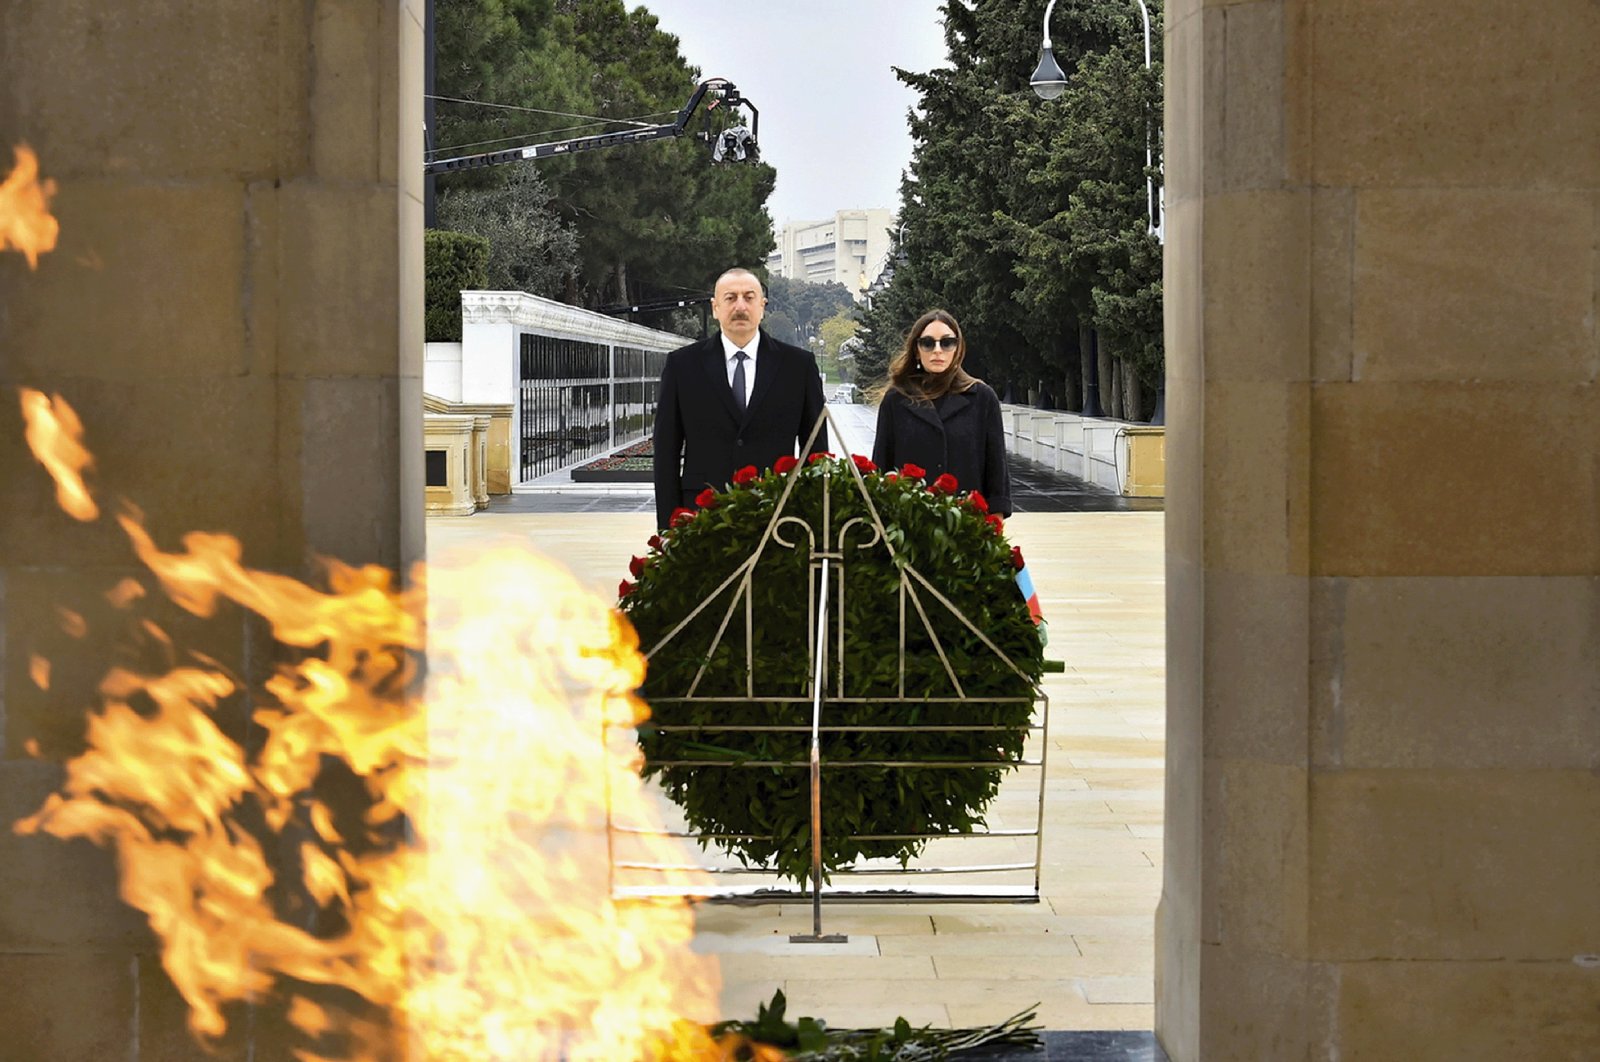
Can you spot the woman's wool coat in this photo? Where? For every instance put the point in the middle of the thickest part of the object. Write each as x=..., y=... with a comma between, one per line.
x=961, y=434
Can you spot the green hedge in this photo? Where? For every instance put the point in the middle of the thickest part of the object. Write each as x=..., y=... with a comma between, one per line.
x=454, y=262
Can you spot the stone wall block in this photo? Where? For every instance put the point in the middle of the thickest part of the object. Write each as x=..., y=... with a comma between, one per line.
x=1499, y=95
x=1253, y=149
x=1257, y=469
x=66, y=1008
x=55, y=895
x=338, y=304
x=340, y=424
x=199, y=87
x=1256, y=857
x=1471, y=673
x=1473, y=481
x=351, y=63
x=1454, y=864
x=1264, y=1003
x=1476, y=1012
x=1333, y=219
x=154, y=269
x=1183, y=58
x=1264, y=239
x=193, y=454
x=1256, y=665
x=1509, y=277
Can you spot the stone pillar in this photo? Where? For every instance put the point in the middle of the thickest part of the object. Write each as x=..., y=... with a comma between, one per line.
x=235, y=310
x=1383, y=530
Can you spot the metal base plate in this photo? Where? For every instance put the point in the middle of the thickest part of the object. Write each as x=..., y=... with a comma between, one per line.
x=818, y=938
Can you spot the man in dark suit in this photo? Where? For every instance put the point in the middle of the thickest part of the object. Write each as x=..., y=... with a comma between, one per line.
x=738, y=398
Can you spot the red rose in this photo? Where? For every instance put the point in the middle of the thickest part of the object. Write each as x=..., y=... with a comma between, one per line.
x=747, y=474
x=820, y=455
x=784, y=464
x=1016, y=557
x=654, y=542
x=706, y=499
x=863, y=463
x=911, y=471
x=636, y=567
x=995, y=522
x=624, y=588
x=680, y=516
x=945, y=484
x=978, y=502
x=891, y=476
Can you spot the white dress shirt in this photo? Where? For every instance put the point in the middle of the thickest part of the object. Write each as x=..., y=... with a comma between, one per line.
x=731, y=362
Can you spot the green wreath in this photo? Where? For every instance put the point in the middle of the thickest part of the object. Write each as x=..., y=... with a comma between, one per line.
x=749, y=791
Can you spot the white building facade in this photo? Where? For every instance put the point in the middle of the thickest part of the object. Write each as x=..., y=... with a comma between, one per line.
x=850, y=248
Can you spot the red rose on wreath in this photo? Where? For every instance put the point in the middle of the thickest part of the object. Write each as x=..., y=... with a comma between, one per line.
x=978, y=502
x=680, y=516
x=995, y=522
x=864, y=463
x=636, y=567
x=1016, y=557
x=784, y=464
x=747, y=474
x=624, y=588
x=945, y=484
x=911, y=471
x=706, y=499
x=654, y=542
x=820, y=455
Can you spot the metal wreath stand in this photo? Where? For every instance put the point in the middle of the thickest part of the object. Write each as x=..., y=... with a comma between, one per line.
x=828, y=558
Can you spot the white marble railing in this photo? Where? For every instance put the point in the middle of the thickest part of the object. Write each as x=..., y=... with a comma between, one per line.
x=1098, y=450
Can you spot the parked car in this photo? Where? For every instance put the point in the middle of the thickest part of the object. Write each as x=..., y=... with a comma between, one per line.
x=849, y=393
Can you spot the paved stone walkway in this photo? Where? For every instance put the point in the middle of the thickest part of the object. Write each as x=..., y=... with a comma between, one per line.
x=1084, y=955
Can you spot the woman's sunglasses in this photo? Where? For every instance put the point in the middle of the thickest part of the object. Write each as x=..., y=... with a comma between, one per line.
x=942, y=343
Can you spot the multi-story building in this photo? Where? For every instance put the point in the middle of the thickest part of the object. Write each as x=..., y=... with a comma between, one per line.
x=850, y=248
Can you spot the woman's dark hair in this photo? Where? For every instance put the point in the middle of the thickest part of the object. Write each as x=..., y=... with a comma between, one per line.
x=907, y=376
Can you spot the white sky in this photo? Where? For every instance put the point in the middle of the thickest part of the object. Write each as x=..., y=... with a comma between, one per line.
x=833, y=115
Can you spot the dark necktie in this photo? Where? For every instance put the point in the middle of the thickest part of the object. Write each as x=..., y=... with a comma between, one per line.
x=738, y=380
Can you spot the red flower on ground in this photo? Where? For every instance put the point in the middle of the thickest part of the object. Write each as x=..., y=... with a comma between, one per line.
x=820, y=455
x=706, y=499
x=978, y=502
x=995, y=522
x=911, y=471
x=1016, y=557
x=945, y=484
x=864, y=463
x=784, y=464
x=624, y=588
x=654, y=542
x=636, y=567
x=747, y=474
x=680, y=516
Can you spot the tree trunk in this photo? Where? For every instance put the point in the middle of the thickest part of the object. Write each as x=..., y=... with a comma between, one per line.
x=1071, y=363
x=1133, y=396
x=1105, y=368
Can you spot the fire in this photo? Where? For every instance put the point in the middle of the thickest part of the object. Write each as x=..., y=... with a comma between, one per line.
x=450, y=899
x=25, y=221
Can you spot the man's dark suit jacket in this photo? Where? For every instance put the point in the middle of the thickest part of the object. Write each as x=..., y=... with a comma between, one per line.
x=698, y=423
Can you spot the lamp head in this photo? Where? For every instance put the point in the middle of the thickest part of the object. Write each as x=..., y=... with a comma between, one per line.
x=1048, y=81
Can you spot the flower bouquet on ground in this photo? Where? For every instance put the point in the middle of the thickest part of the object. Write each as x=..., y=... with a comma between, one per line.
x=926, y=632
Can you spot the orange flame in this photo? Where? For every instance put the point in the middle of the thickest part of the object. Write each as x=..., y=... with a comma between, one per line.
x=25, y=221
x=55, y=435
x=469, y=883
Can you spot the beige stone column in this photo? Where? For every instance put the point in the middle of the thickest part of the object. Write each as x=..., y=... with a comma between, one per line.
x=1383, y=513
x=235, y=311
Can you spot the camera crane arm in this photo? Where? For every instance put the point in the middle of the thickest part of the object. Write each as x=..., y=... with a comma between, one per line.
x=723, y=93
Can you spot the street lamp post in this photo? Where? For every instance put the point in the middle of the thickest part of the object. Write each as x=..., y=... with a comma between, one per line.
x=1049, y=82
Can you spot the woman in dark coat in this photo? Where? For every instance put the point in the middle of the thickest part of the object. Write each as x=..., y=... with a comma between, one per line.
x=936, y=416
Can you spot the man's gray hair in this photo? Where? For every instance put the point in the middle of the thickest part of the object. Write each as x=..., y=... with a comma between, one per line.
x=740, y=271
